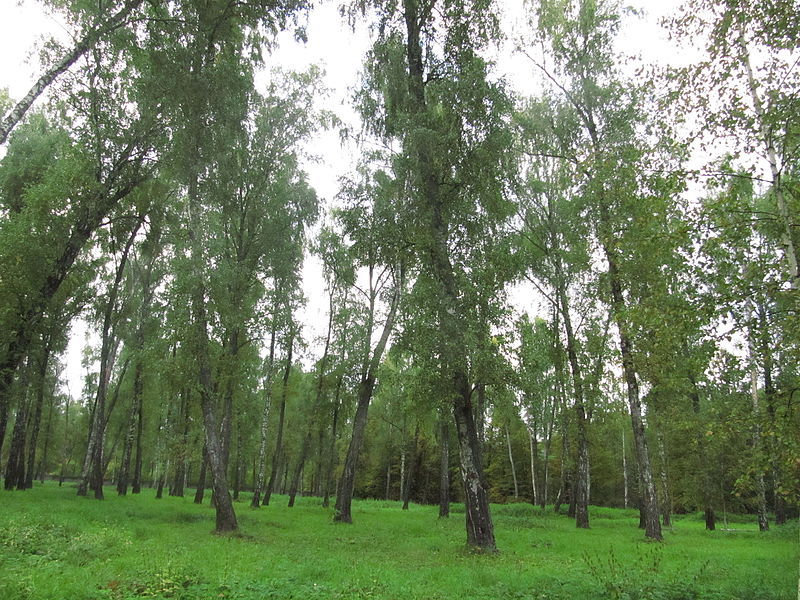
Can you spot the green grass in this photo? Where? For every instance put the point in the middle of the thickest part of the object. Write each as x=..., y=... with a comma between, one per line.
x=55, y=545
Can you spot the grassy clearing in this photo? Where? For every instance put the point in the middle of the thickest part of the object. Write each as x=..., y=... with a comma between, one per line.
x=55, y=545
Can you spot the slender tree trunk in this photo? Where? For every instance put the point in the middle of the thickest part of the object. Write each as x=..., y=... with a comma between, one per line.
x=534, y=451
x=88, y=41
x=648, y=492
x=344, y=496
x=225, y=515
x=770, y=398
x=133, y=418
x=581, y=496
x=258, y=484
x=332, y=455
x=93, y=463
x=761, y=499
x=277, y=456
x=15, y=467
x=43, y=462
x=41, y=376
x=565, y=486
x=201, y=478
x=412, y=469
x=624, y=471
x=480, y=530
x=444, y=468
x=666, y=504
x=65, y=448
x=513, y=467
x=297, y=483
x=136, y=484
x=762, y=122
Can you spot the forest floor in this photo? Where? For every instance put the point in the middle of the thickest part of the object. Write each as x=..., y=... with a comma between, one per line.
x=55, y=545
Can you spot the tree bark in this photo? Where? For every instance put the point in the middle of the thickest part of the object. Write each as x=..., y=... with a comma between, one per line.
x=581, y=496
x=765, y=131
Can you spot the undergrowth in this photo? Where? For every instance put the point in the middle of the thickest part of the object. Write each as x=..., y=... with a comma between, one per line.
x=55, y=545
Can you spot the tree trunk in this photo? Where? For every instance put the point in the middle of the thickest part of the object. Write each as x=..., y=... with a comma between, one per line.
x=765, y=130
x=201, y=478
x=344, y=496
x=534, y=451
x=513, y=467
x=666, y=504
x=278, y=454
x=258, y=484
x=444, y=468
x=93, y=463
x=648, y=492
x=412, y=469
x=581, y=496
x=761, y=499
x=480, y=530
x=43, y=462
x=15, y=467
x=624, y=471
x=332, y=455
x=133, y=417
x=297, y=482
x=41, y=376
x=89, y=40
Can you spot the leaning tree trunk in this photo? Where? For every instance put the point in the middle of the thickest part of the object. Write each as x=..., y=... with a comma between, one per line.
x=513, y=466
x=649, y=498
x=93, y=463
x=480, y=530
x=89, y=40
x=581, y=496
x=344, y=497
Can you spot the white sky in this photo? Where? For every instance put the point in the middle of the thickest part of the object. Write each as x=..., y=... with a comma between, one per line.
x=340, y=51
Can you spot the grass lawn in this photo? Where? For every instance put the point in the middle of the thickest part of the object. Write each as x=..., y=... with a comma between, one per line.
x=54, y=544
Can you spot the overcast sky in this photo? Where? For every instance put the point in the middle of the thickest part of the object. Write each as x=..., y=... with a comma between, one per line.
x=339, y=51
